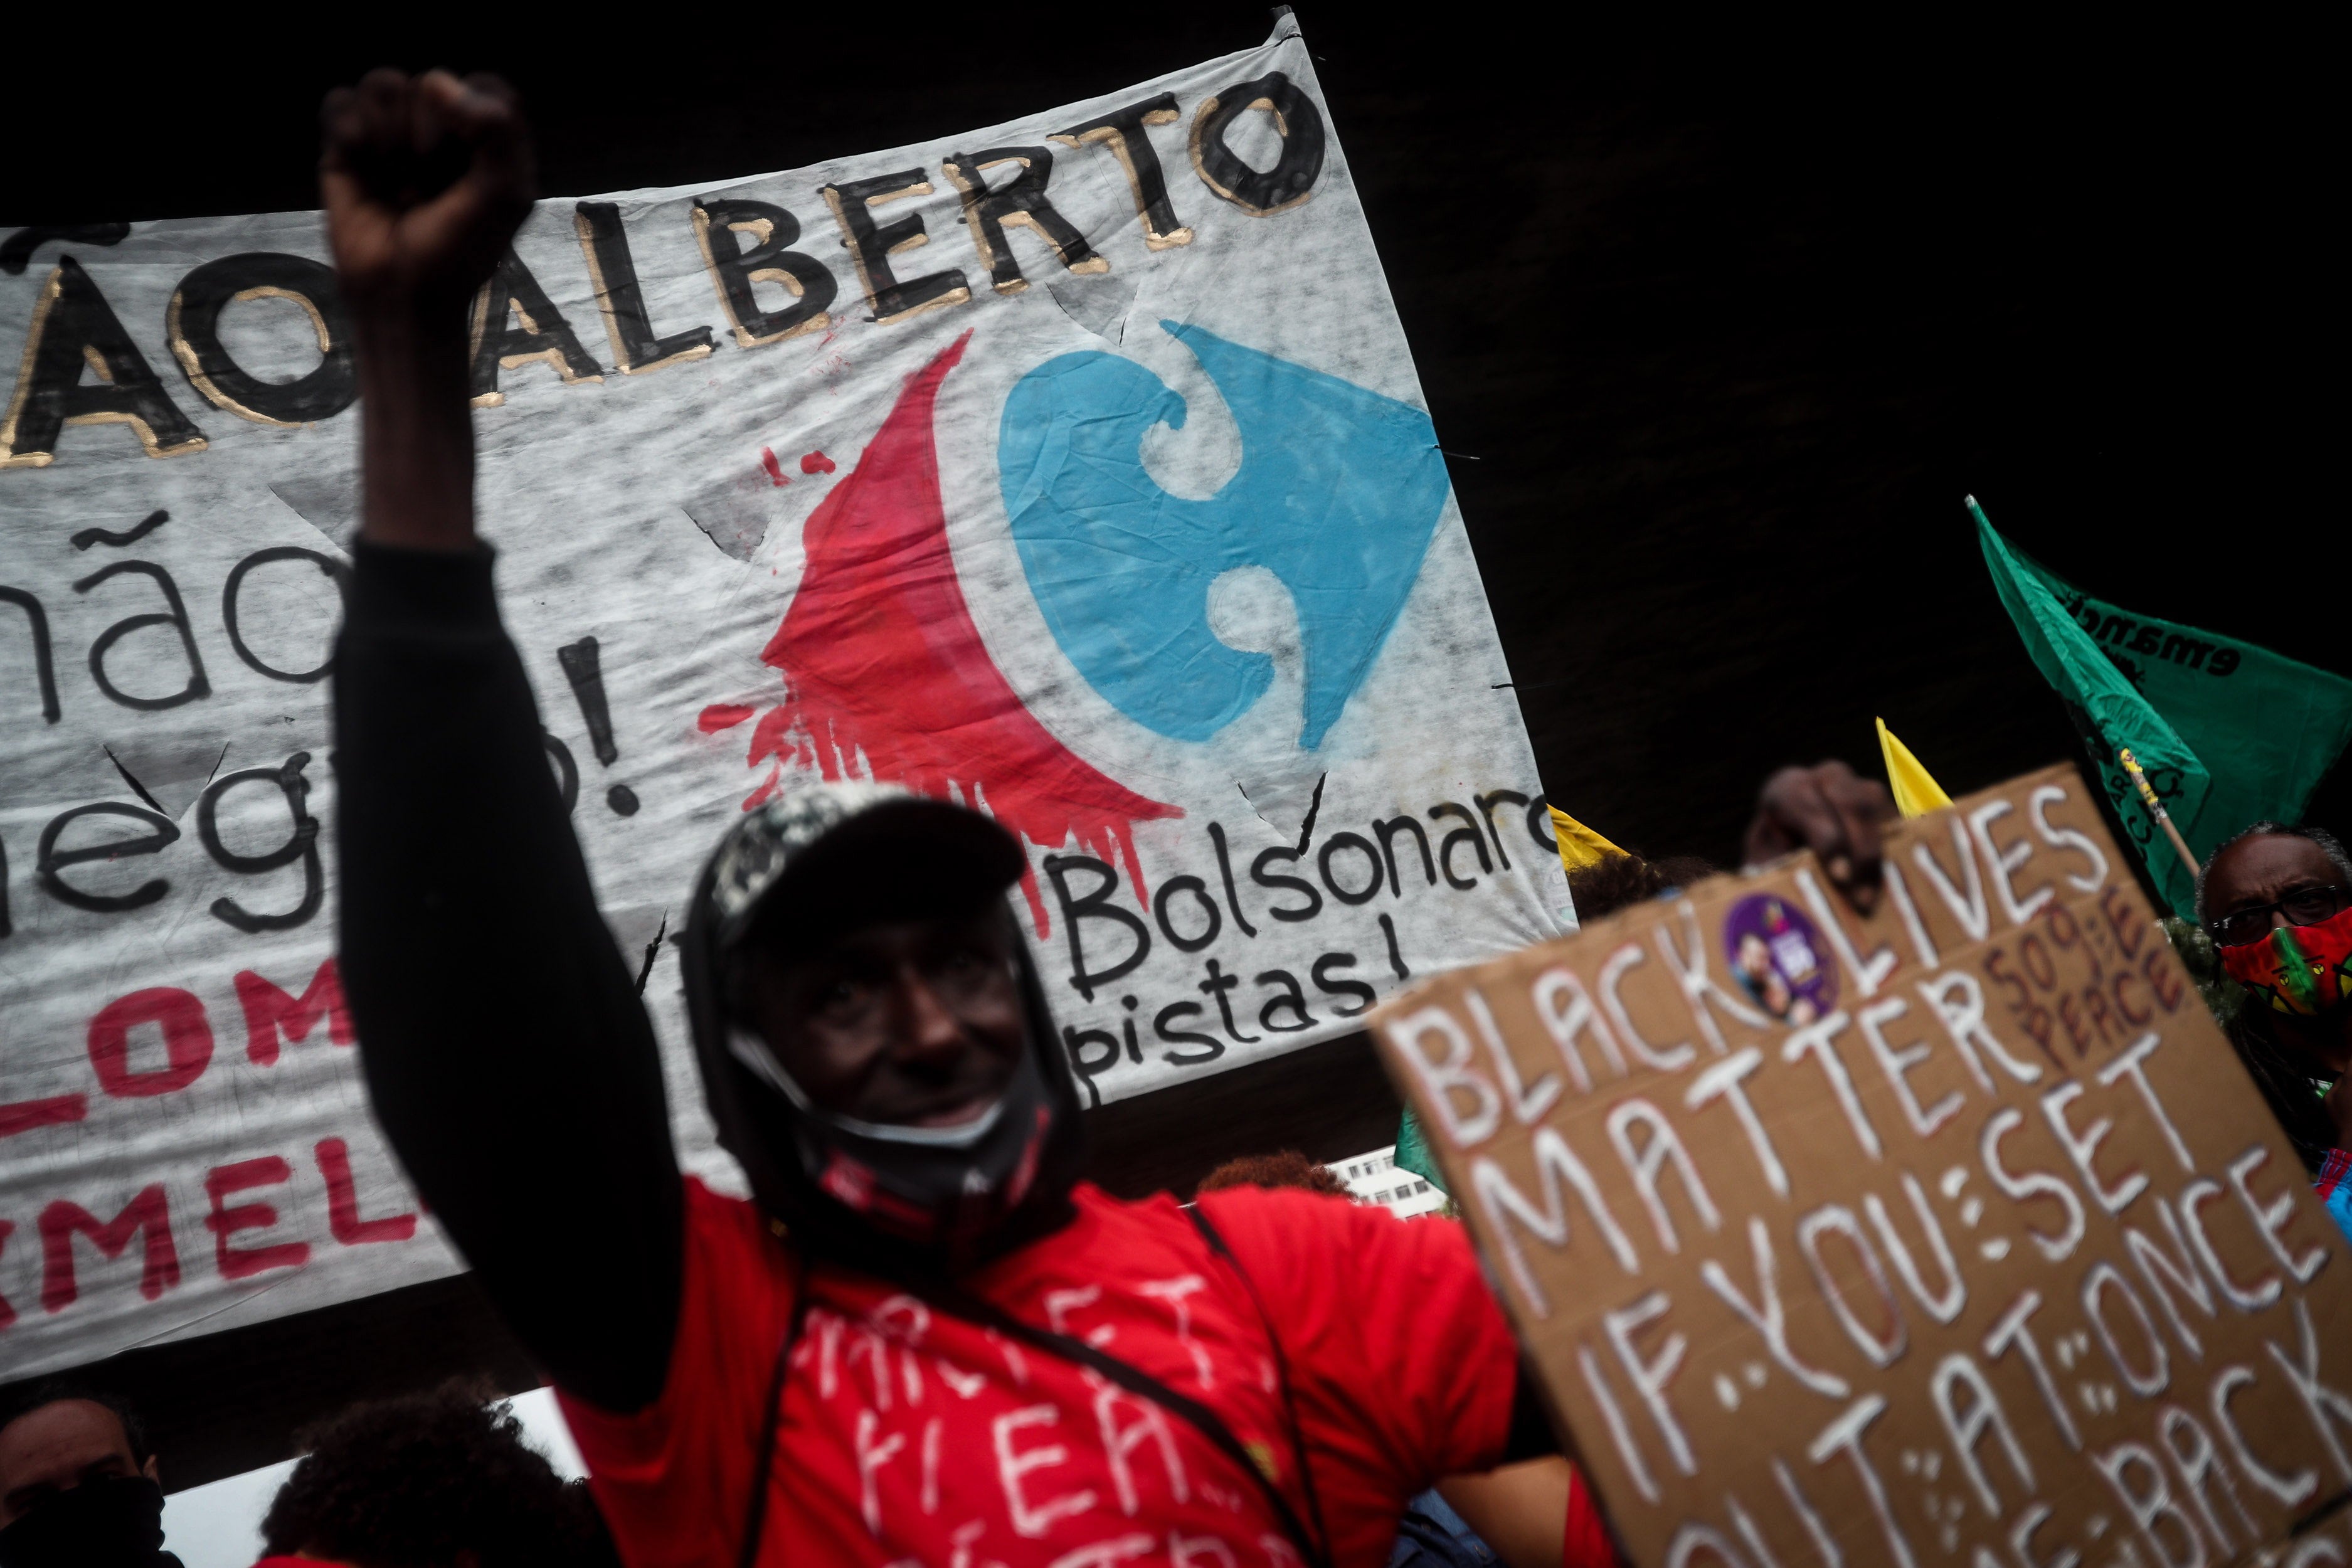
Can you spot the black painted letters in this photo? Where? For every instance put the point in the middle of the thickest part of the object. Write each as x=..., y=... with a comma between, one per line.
x=192, y=323
x=872, y=244
x=516, y=324
x=1300, y=123
x=1122, y=132
x=719, y=227
x=622, y=300
x=74, y=330
x=1020, y=200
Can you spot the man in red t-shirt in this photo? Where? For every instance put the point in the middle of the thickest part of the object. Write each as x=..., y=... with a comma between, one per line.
x=921, y=1339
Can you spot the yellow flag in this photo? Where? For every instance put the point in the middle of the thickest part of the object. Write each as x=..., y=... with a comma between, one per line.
x=1578, y=845
x=1915, y=793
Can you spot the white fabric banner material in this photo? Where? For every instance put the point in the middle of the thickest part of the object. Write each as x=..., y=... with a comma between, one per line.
x=1074, y=468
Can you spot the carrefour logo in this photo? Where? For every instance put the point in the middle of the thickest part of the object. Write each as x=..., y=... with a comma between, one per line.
x=1339, y=494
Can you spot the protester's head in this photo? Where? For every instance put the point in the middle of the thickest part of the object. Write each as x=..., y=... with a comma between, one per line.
x=432, y=1480
x=2277, y=903
x=875, y=1044
x=1283, y=1168
x=1613, y=882
x=2240, y=889
x=78, y=1482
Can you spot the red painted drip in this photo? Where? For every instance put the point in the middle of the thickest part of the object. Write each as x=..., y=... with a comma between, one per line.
x=889, y=675
x=776, y=469
x=722, y=716
x=815, y=463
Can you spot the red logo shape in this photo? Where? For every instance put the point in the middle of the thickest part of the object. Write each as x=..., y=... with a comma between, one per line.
x=880, y=657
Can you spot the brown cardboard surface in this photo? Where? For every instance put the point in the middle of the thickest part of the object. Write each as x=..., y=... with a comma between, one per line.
x=1954, y=1235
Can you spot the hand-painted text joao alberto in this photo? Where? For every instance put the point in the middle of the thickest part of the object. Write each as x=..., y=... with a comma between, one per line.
x=1074, y=468
x=1955, y=1234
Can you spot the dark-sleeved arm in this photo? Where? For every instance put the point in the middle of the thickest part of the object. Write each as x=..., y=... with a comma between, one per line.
x=505, y=1048
x=1531, y=1436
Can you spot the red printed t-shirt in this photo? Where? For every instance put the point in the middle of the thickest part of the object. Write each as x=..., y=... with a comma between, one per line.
x=909, y=1437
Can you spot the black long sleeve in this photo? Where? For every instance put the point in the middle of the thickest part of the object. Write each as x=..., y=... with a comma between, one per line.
x=506, y=1050
x=1531, y=1436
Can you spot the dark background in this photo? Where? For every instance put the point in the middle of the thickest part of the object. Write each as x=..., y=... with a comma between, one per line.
x=1718, y=327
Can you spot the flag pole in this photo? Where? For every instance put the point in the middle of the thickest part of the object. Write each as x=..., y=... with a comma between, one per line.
x=2156, y=809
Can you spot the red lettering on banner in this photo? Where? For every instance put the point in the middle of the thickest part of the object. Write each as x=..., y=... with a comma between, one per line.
x=224, y=1221
x=7, y=1311
x=26, y=1114
x=147, y=1212
x=187, y=1042
x=268, y=1011
x=343, y=1201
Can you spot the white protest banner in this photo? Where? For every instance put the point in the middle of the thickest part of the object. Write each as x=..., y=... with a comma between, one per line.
x=1955, y=1234
x=1074, y=468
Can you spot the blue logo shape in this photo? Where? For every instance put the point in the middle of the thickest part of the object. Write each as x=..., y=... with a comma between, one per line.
x=1337, y=495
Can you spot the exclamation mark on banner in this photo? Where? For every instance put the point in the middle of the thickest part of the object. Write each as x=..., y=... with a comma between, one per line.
x=587, y=677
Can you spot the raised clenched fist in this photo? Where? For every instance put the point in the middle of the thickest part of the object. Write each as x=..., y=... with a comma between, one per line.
x=425, y=180
x=1831, y=810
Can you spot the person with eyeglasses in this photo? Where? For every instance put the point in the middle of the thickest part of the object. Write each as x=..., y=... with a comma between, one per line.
x=2277, y=903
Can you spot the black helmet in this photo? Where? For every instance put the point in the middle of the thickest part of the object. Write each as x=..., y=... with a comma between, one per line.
x=816, y=861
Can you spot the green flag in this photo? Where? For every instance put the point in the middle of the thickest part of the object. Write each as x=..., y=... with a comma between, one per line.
x=1412, y=1152
x=2227, y=733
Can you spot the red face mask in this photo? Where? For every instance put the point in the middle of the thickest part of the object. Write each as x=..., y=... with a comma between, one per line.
x=2303, y=970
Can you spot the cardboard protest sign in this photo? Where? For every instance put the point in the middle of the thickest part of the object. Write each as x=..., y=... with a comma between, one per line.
x=1075, y=468
x=1953, y=1235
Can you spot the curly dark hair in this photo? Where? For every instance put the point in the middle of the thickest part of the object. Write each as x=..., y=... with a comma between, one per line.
x=1283, y=1168
x=410, y=1482
x=1610, y=884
